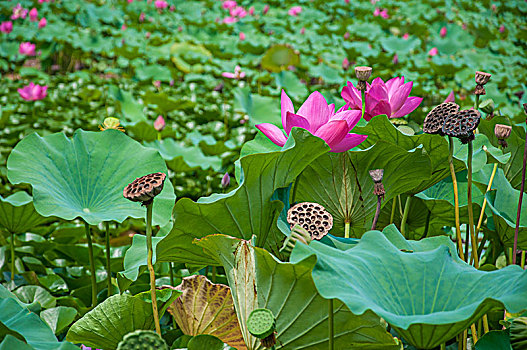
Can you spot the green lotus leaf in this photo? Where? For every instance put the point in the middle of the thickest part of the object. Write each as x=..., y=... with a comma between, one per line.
x=518, y=333
x=436, y=147
x=259, y=280
x=186, y=56
x=246, y=210
x=131, y=109
x=482, y=150
x=106, y=325
x=11, y=342
x=503, y=201
x=32, y=294
x=279, y=57
x=26, y=325
x=182, y=158
x=165, y=103
x=85, y=176
x=205, y=341
x=58, y=318
x=495, y=340
x=341, y=182
x=18, y=214
x=426, y=293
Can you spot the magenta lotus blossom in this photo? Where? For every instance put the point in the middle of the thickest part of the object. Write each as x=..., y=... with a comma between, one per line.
x=294, y=11
x=161, y=4
x=390, y=98
x=238, y=74
x=242, y=36
x=395, y=59
x=502, y=28
x=320, y=119
x=159, y=123
x=33, y=92
x=42, y=23
x=384, y=14
x=229, y=4
x=443, y=32
x=6, y=27
x=406, y=36
x=345, y=63
x=265, y=9
x=251, y=10
x=228, y=20
x=238, y=11
x=33, y=15
x=19, y=12
x=433, y=51
x=27, y=49
x=450, y=98
x=303, y=31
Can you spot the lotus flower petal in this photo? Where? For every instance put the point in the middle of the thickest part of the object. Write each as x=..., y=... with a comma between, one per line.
x=295, y=120
x=408, y=107
x=273, y=133
x=287, y=106
x=383, y=107
x=315, y=109
x=399, y=97
x=348, y=142
x=352, y=117
x=333, y=132
x=352, y=96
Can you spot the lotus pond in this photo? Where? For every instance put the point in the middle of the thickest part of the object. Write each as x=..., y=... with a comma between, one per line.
x=300, y=174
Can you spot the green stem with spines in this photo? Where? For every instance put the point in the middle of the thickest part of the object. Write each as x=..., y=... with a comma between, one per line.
x=405, y=215
x=151, y=265
x=93, y=277
x=108, y=262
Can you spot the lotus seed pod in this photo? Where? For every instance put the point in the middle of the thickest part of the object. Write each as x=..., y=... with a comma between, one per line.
x=312, y=217
x=298, y=233
x=376, y=176
x=482, y=78
x=142, y=340
x=261, y=324
x=435, y=119
x=487, y=106
x=145, y=188
x=462, y=125
x=502, y=133
x=363, y=74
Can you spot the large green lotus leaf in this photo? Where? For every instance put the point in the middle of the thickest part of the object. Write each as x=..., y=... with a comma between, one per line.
x=516, y=144
x=503, y=201
x=27, y=324
x=58, y=318
x=426, y=293
x=342, y=184
x=246, y=210
x=18, y=214
x=85, y=176
x=482, y=149
x=439, y=199
x=436, y=147
x=182, y=158
x=259, y=280
x=495, y=340
x=106, y=325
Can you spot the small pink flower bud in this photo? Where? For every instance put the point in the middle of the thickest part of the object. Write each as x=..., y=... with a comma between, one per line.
x=265, y=9
x=42, y=23
x=347, y=35
x=433, y=51
x=33, y=15
x=159, y=123
x=225, y=181
x=443, y=32
x=242, y=36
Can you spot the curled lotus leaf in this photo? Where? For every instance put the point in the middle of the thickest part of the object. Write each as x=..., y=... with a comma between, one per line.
x=85, y=176
x=207, y=308
x=18, y=214
x=422, y=289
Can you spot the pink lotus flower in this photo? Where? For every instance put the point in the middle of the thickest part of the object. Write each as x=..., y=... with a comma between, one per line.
x=19, y=12
x=242, y=36
x=238, y=74
x=450, y=98
x=159, y=123
x=33, y=92
x=443, y=32
x=303, y=31
x=433, y=51
x=294, y=11
x=27, y=49
x=345, y=63
x=502, y=28
x=142, y=17
x=161, y=4
x=229, y=4
x=42, y=23
x=265, y=9
x=406, y=36
x=123, y=27
x=33, y=15
x=390, y=98
x=384, y=14
x=251, y=10
x=238, y=11
x=347, y=35
x=319, y=119
x=230, y=20
x=42, y=1
x=6, y=27
x=395, y=59
x=377, y=12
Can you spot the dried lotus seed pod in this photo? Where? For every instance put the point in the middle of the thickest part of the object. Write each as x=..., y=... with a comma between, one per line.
x=312, y=217
x=502, y=133
x=482, y=78
x=462, y=124
x=435, y=119
x=145, y=188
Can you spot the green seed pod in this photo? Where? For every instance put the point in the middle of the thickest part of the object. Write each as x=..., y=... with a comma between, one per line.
x=261, y=323
x=487, y=106
x=142, y=340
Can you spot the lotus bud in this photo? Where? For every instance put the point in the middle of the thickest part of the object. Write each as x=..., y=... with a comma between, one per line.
x=482, y=78
x=502, y=133
x=376, y=176
x=159, y=124
x=363, y=74
x=225, y=181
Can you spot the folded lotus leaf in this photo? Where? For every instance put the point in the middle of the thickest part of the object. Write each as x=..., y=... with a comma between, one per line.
x=259, y=280
x=18, y=214
x=422, y=289
x=207, y=308
x=85, y=176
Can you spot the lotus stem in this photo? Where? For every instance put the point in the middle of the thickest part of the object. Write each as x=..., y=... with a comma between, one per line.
x=522, y=189
x=405, y=215
x=474, y=333
x=363, y=103
x=171, y=269
x=330, y=322
x=151, y=266
x=92, y=266
x=522, y=263
x=427, y=224
x=456, y=196
x=12, y=256
x=486, y=328
x=443, y=346
x=393, y=210
x=108, y=263
x=377, y=212
x=346, y=229
x=214, y=272
x=469, y=205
